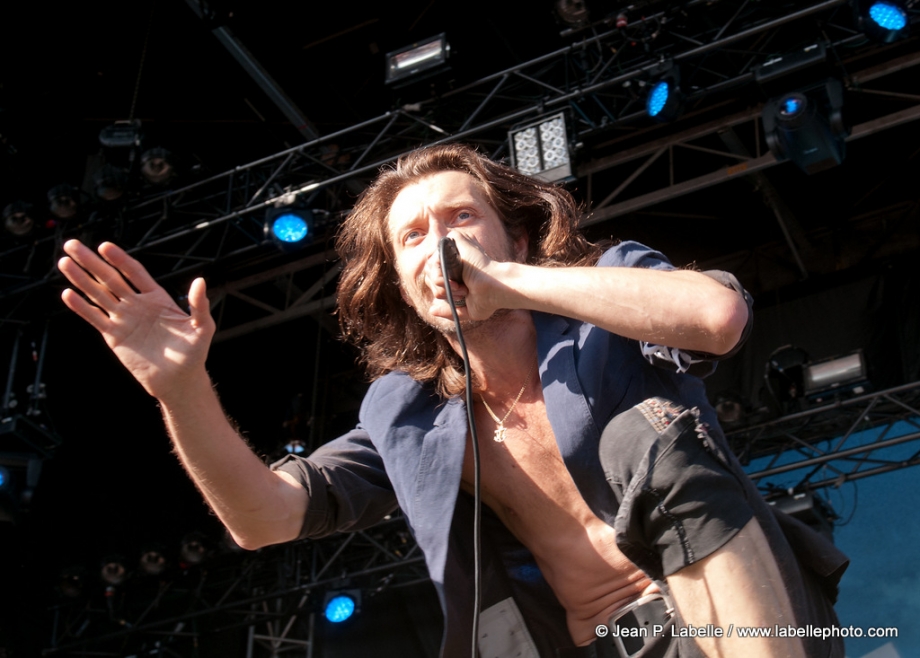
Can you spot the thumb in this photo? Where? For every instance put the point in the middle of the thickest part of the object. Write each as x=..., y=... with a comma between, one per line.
x=198, y=302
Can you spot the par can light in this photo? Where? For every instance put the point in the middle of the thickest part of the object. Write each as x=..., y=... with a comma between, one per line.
x=289, y=228
x=884, y=21
x=341, y=605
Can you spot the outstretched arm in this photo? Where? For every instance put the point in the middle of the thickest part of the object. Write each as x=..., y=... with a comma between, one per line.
x=165, y=349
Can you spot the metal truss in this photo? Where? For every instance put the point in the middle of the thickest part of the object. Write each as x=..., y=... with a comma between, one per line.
x=742, y=156
x=831, y=444
x=270, y=595
x=597, y=81
x=293, y=290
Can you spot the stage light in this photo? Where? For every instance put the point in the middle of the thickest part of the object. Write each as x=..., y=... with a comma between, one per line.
x=665, y=99
x=72, y=581
x=418, y=61
x=573, y=13
x=341, y=606
x=62, y=201
x=17, y=218
x=193, y=550
x=541, y=149
x=113, y=571
x=810, y=509
x=289, y=228
x=295, y=447
x=121, y=134
x=888, y=15
x=730, y=408
x=836, y=375
x=783, y=373
x=152, y=561
x=5, y=480
x=157, y=166
x=885, y=21
x=807, y=126
x=110, y=182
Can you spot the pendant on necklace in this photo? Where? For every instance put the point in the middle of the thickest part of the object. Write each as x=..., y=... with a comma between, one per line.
x=500, y=433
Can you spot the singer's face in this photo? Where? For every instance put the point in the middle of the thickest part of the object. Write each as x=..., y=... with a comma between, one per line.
x=442, y=204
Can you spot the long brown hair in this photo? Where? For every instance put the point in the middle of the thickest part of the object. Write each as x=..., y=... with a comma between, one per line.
x=371, y=310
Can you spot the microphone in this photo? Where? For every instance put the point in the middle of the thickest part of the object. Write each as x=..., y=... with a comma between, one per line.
x=450, y=256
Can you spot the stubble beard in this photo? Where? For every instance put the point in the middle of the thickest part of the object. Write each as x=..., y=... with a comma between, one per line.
x=421, y=303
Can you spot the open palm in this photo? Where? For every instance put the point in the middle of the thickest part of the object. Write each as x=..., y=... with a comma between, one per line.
x=161, y=345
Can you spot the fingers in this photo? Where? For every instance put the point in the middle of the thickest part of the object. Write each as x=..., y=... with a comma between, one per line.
x=108, y=277
x=85, y=310
x=89, y=286
x=132, y=270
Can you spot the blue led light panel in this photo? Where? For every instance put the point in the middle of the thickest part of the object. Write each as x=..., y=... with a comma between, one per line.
x=340, y=608
x=657, y=98
x=888, y=16
x=290, y=228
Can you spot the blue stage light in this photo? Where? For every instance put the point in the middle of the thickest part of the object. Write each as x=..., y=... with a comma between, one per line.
x=658, y=97
x=4, y=478
x=290, y=228
x=888, y=16
x=884, y=21
x=792, y=105
x=339, y=608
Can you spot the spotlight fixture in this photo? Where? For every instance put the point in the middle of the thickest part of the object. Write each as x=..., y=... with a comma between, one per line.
x=341, y=606
x=157, y=166
x=807, y=126
x=541, y=149
x=17, y=218
x=193, y=550
x=72, y=581
x=783, y=373
x=62, y=201
x=110, y=182
x=152, y=561
x=288, y=227
x=883, y=21
x=836, y=375
x=809, y=509
x=731, y=408
x=121, y=134
x=113, y=571
x=573, y=13
x=665, y=99
x=420, y=60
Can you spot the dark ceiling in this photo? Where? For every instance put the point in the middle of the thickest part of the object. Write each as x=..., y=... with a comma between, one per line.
x=72, y=69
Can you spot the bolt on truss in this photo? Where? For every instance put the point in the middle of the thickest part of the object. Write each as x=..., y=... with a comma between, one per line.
x=829, y=445
x=270, y=595
x=598, y=81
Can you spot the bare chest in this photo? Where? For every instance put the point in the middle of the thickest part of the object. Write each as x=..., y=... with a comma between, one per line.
x=524, y=478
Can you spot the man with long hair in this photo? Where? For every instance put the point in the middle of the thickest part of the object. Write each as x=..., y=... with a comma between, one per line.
x=607, y=484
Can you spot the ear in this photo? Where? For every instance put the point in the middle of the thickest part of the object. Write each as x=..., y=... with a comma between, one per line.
x=521, y=246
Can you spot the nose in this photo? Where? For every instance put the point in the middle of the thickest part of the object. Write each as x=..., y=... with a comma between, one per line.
x=437, y=229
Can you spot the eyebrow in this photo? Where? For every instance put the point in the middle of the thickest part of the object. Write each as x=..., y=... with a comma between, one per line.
x=451, y=206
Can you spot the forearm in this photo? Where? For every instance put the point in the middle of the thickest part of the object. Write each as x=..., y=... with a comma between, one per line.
x=258, y=506
x=678, y=308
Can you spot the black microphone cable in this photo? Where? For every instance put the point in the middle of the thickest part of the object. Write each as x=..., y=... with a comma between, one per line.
x=451, y=266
